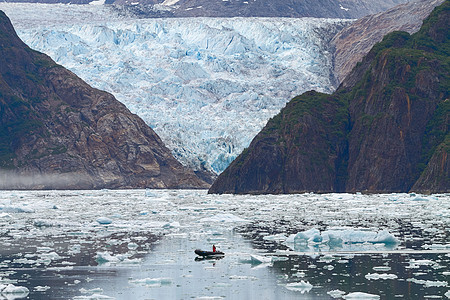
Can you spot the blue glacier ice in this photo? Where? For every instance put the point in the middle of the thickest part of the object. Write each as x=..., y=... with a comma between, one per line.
x=206, y=85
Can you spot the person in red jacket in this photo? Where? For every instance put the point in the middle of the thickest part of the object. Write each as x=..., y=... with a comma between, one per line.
x=214, y=248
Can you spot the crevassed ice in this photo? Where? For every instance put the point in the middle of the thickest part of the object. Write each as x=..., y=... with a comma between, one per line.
x=206, y=86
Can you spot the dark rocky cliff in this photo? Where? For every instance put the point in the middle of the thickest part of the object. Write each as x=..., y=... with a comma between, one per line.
x=59, y=132
x=386, y=129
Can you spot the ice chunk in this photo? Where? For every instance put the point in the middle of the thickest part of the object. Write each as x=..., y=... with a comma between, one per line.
x=336, y=294
x=308, y=236
x=376, y=276
x=428, y=283
x=361, y=295
x=152, y=282
x=5, y=216
x=258, y=259
x=17, y=209
x=171, y=225
x=382, y=268
x=106, y=257
x=339, y=237
x=223, y=218
x=104, y=220
x=93, y=297
x=277, y=237
x=302, y=286
x=447, y=294
x=91, y=291
x=12, y=289
x=350, y=236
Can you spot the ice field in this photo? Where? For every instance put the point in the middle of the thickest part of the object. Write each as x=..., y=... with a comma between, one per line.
x=138, y=244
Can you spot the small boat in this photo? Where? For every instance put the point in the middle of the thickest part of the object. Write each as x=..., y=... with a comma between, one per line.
x=208, y=253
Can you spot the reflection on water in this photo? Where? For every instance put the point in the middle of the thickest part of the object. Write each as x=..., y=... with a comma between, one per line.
x=170, y=270
x=272, y=249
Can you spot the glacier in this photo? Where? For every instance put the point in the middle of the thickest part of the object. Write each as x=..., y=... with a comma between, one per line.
x=205, y=85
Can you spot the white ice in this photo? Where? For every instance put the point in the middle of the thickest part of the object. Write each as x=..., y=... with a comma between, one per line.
x=377, y=276
x=361, y=296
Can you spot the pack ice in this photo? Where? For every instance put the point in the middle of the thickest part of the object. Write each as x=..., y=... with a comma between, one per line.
x=206, y=86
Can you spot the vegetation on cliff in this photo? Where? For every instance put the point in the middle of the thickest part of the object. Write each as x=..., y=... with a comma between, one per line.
x=386, y=129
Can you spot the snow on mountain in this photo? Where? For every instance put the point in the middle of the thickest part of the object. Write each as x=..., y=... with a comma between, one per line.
x=205, y=85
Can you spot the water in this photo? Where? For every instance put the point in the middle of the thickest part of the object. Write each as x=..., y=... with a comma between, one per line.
x=52, y=244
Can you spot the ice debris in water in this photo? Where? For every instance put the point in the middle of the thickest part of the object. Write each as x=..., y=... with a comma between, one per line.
x=106, y=257
x=12, y=289
x=376, y=276
x=382, y=268
x=152, y=282
x=337, y=237
x=428, y=283
x=258, y=259
x=336, y=294
x=93, y=297
x=447, y=294
x=104, y=220
x=302, y=286
x=223, y=218
x=360, y=296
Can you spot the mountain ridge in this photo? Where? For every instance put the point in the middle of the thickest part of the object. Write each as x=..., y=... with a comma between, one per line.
x=391, y=136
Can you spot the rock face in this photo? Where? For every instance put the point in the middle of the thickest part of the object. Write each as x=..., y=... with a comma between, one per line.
x=58, y=132
x=346, y=9
x=386, y=128
x=355, y=41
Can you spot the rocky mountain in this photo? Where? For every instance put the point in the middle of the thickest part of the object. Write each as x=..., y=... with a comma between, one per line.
x=346, y=9
x=386, y=128
x=58, y=132
x=349, y=9
x=355, y=41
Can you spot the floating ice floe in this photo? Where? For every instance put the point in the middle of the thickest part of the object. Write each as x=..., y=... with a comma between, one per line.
x=16, y=209
x=5, y=216
x=302, y=286
x=376, y=276
x=104, y=220
x=336, y=294
x=152, y=282
x=428, y=283
x=447, y=294
x=336, y=238
x=106, y=257
x=223, y=218
x=12, y=289
x=361, y=296
x=382, y=268
x=258, y=259
x=91, y=291
x=93, y=297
